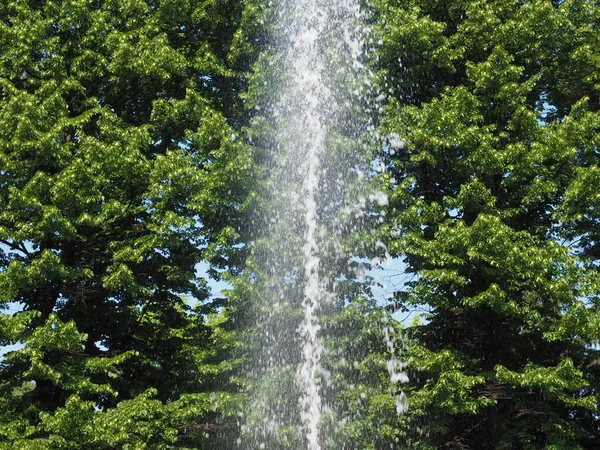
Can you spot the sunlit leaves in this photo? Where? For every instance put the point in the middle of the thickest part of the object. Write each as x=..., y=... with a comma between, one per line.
x=117, y=171
x=494, y=212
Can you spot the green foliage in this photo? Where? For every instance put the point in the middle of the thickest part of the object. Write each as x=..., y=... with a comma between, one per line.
x=128, y=145
x=490, y=212
x=363, y=399
x=118, y=175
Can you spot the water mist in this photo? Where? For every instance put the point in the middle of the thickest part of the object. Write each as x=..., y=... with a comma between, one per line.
x=316, y=159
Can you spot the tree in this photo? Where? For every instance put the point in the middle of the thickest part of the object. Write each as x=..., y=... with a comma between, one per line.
x=118, y=174
x=493, y=127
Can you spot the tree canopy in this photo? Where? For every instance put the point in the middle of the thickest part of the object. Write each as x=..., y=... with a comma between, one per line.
x=133, y=148
x=118, y=175
x=497, y=110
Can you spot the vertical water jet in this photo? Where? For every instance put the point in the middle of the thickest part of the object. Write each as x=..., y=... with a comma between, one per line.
x=316, y=156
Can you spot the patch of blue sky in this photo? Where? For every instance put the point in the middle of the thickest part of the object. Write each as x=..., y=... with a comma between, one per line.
x=390, y=277
x=216, y=287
